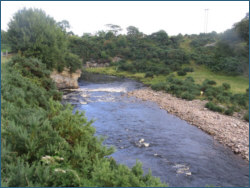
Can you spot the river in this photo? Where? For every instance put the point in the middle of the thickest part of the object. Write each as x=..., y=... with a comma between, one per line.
x=178, y=153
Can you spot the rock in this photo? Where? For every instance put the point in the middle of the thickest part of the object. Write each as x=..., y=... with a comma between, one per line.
x=94, y=63
x=116, y=59
x=229, y=130
x=146, y=144
x=65, y=79
x=236, y=151
x=83, y=102
x=141, y=140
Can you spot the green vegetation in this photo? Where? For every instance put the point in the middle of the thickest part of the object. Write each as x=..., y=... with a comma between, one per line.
x=218, y=63
x=213, y=107
x=5, y=46
x=24, y=36
x=187, y=88
x=239, y=84
x=43, y=143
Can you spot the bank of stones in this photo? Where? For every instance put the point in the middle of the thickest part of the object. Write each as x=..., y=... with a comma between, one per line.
x=228, y=130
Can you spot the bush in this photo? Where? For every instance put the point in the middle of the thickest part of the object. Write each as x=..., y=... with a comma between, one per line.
x=246, y=116
x=126, y=67
x=159, y=86
x=187, y=96
x=189, y=79
x=72, y=62
x=240, y=99
x=181, y=73
x=149, y=74
x=43, y=143
x=211, y=82
x=213, y=107
x=188, y=69
x=222, y=98
x=229, y=111
x=226, y=86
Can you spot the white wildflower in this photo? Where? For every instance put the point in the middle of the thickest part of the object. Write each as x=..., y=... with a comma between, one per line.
x=47, y=159
x=60, y=170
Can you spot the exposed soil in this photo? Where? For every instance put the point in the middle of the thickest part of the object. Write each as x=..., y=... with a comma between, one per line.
x=228, y=130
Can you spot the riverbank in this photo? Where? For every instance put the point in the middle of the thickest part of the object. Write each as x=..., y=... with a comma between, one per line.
x=228, y=130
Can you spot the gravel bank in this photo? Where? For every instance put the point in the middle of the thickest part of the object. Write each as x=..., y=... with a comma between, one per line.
x=228, y=130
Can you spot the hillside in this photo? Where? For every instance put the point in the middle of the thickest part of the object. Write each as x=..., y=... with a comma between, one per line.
x=213, y=66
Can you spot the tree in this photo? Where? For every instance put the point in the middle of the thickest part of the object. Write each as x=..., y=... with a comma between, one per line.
x=133, y=31
x=161, y=37
x=4, y=37
x=64, y=24
x=115, y=29
x=35, y=34
x=4, y=41
x=242, y=28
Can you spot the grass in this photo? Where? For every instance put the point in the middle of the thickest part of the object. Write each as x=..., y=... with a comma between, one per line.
x=136, y=76
x=4, y=59
x=185, y=45
x=239, y=84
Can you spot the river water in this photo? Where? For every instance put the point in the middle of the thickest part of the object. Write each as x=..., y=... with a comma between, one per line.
x=178, y=153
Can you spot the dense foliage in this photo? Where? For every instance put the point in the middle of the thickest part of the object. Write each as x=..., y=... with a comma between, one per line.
x=156, y=53
x=44, y=144
x=32, y=33
x=187, y=89
x=159, y=54
x=226, y=52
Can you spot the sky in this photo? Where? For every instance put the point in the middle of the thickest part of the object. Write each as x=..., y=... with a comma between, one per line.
x=185, y=17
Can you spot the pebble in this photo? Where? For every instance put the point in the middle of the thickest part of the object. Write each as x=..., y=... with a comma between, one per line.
x=228, y=130
x=146, y=144
x=141, y=140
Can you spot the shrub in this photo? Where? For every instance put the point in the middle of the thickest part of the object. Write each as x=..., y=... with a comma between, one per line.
x=222, y=98
x=189, y=79
x=72, y=62
x=226, y=86
x=188, y=69
x=246, y=116
x=149, y=74
x=240, y=99
x=229, y=111
x=211, y=82
x=213, y=107
x=159, y=86
x=181, y=73
x=43, y=143
x=126, y=67
x=187, y=96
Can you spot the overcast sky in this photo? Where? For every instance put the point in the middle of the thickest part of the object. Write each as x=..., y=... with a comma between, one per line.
x=173, y=17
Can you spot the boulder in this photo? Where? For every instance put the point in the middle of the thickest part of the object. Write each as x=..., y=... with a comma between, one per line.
x=65, y=79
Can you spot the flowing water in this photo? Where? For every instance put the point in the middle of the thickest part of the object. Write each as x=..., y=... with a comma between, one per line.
x=178, y=153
